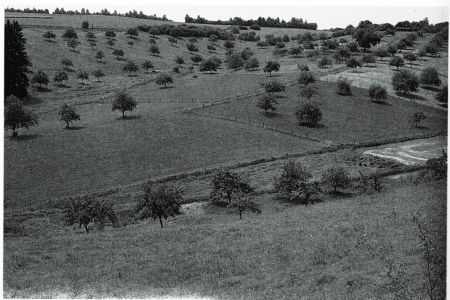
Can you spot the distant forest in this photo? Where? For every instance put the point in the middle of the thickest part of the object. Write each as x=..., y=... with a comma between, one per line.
x=269, y=22
x=103, y=12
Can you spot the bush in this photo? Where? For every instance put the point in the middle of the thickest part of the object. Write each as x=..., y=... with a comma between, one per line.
x=255, y=27
x=343, y=87
x=176, y=70
x=87, y=209
x=309, y=112
x=336, y=177
x=192, y=47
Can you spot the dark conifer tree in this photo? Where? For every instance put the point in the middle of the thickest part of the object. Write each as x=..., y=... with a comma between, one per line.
x=16, y=61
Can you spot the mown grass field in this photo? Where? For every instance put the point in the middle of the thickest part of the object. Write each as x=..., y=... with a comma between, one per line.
x=336, y=249
x=345, y=118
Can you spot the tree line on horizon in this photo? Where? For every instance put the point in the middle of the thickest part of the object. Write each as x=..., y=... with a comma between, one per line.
x=269, y=22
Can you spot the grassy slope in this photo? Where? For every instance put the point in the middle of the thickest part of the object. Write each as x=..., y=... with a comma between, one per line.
x=345, y=118
x=322, y=251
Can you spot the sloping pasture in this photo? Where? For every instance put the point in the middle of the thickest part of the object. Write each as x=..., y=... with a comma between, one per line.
x=345, y=118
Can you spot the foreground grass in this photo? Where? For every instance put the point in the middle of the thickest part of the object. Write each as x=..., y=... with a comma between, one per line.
x=332, y=250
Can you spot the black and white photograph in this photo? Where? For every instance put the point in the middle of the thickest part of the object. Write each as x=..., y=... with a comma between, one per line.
x=225, y=150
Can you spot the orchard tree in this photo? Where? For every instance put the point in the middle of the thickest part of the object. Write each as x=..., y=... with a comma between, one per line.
x=417, y=117
x=430, y=76
x=213, y=38
x=90, y=36
x=211, y=48
x=309, y=112
x=159, y=201
x=271, y=66
x=196, y=58
x=208, y=65
x=292, y=182
x=60, y=77
x=392, y=49
x=123, y=102
x=70, y=34
x=164, y=79
x=99, y=55
x=305, y=78
x=154, y=50
x=16, y=62
x=382, y=53
x=179, y=60
x=66, y=63
x=83, y=75
x=353, y=47
x=309, y=92
x=343, y=86
x=409, y=56
x=251, y=63
x=228, y=45
x=132, y=32
x=325, y=61
x=377, y=93
x=98, y=74
x=40, y=78
x=421, y=53
x=336, y=177
x=172, y=40
x=147, y=65
x=274, y=86
x=110, y=34
x=93, y=44
x=397, y=61
x=267, y=102
x=192, y=47
x=353, y=63
x=368, y=59
x=235, y=61
x=72, y=43
x=118, y=53
x=130, y=66
x=17, y=116
x=68, y=114
x=262, y=44
x=303, y=68
x=405, y=81
x=85, y=25
x=110, y=42
x=49, y=35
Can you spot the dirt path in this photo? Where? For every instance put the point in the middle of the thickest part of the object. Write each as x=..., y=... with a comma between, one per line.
x=415, y=152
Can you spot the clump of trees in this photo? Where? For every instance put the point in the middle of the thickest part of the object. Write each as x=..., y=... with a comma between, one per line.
x=305, y=78
x=17, y=116
x=159, y=200
x=233, y=188
x=274, y=86
x=123, y=101
x=87, y=209
x=68, y=114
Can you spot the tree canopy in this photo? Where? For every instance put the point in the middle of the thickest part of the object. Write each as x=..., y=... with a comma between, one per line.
x=17, y=116
x=123, y=101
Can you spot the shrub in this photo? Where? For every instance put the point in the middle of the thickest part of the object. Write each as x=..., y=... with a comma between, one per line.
x=176, y=70
x=343, y=87
x=70, y=34
x=303, y=68
x=336, y=177
x=192, y=47
x=255, y=27
x=309, y=112
x=274, y=86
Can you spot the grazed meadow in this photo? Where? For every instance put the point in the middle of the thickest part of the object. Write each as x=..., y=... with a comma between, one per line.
x=346, y=246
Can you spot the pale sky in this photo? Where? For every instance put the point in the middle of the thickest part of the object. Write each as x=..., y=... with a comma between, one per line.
x=326, y=13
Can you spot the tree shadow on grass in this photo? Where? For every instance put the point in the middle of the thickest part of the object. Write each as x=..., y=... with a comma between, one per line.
x=431, y=88
x=75, y=51
x=382, y=102
x=310, y=125
x=132, y=75
x=274, y=75
x=339, y=194
x=74, y=128
x=62, y=85
x=126, y=118
x=443, y=105
x=271, y=114
x=69, y=70
x=167, y=87
x=21, y=138
x=43, y=89
x=412, y=96
x=32, y=100
x=253, y=70
x=370, y=66
x=282, y=198
x=47, y=41
x=422, y=127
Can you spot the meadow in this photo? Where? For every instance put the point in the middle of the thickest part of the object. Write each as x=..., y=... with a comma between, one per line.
x=347, y=245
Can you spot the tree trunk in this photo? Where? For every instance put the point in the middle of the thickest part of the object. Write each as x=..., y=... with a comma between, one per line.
x=123, y=114
x=14, y=133
x=86, y=227
x=240, y=212
x=160, y=222
x=67, y=125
